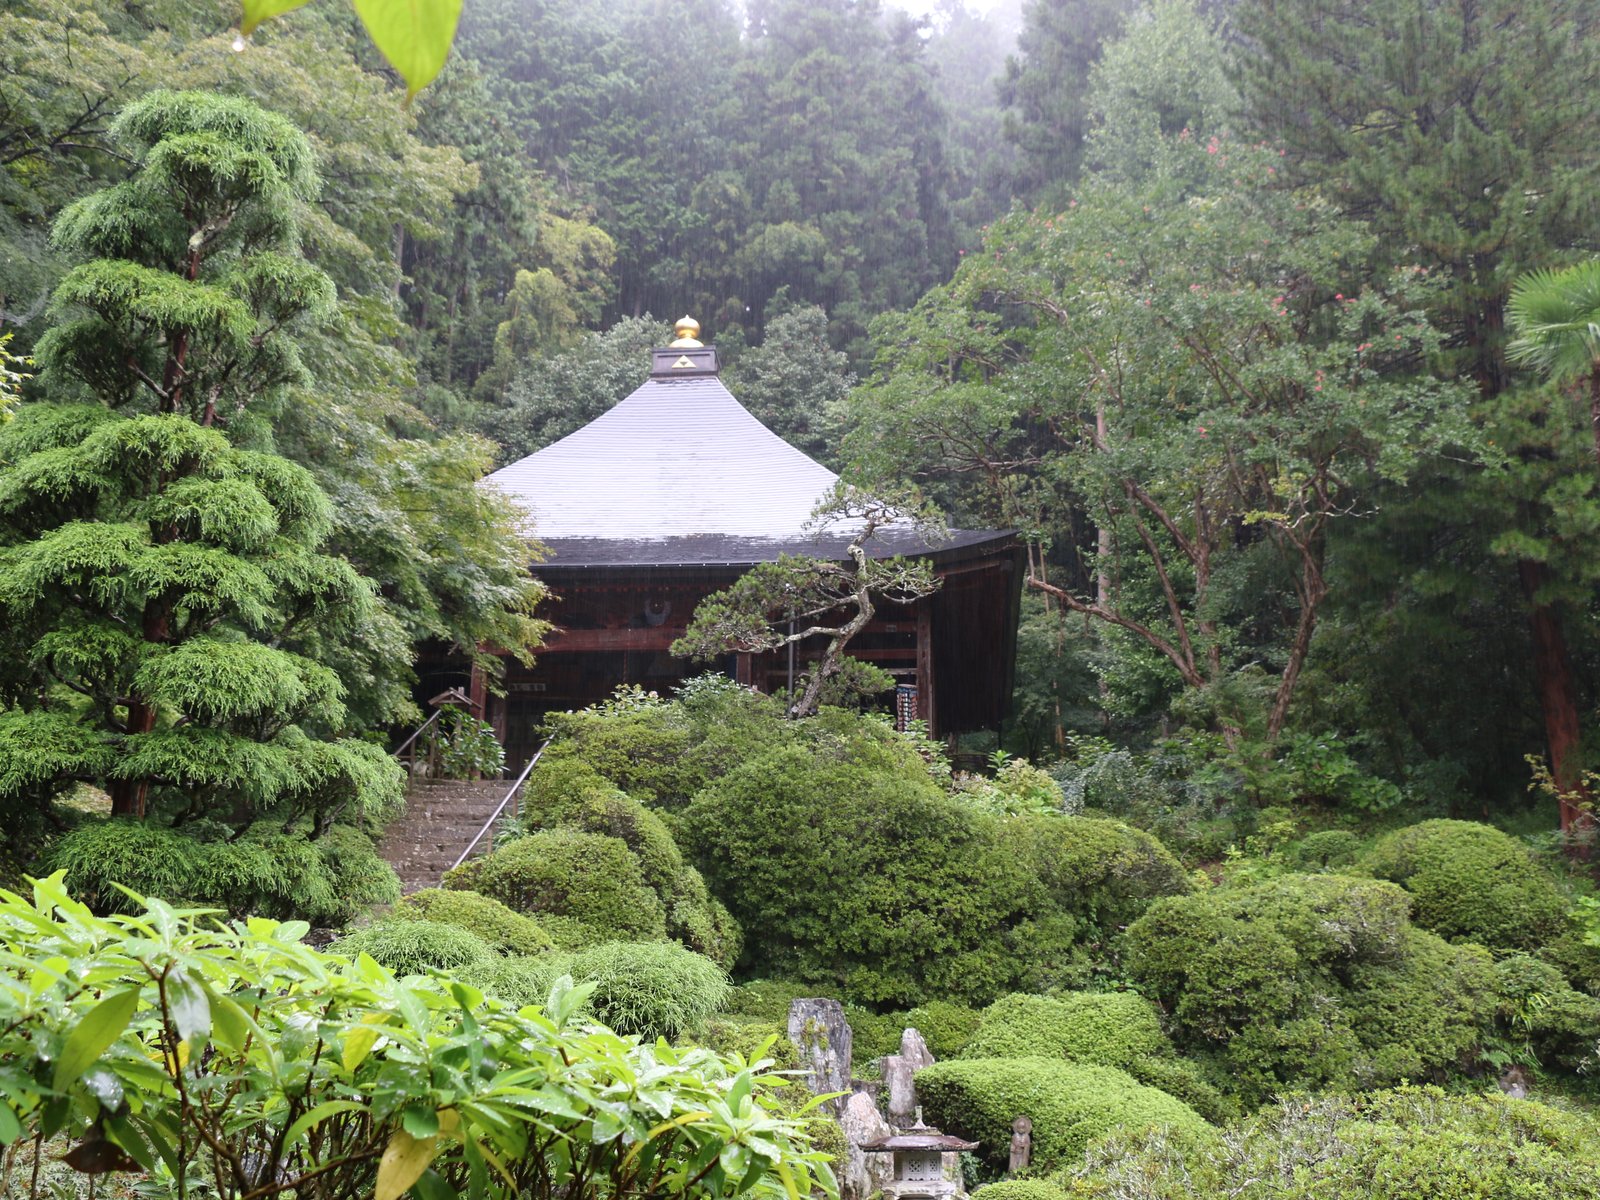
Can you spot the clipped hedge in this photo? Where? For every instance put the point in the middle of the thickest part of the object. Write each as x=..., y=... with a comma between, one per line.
x=1020, y=1189
x=507, y=931
x=1102, y=872
x=1409, y=1144
x=1071, y=1105
x=416, y=947
x=1110, y=1029
x=1471, y=883
x=588, y=877
x=655, y=989
x=1311, y=981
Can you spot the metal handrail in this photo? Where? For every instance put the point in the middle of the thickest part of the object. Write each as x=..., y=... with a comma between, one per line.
x=501, y=807
x=420, y=730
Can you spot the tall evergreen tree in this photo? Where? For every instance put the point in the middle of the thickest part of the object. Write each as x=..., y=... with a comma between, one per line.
x=1464, y=132
x=163, y=591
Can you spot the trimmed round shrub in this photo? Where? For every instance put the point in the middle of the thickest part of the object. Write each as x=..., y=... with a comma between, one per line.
x=1070, y=1104
x=1325, y=850
x=507, y=931
x=1020, y=1189
x=588, y=877
x=701, y=922
x=520, y=980
x=1408, y=1144
x=1536, y=1003
x=1471, y=882
x=946, y=1027
x=1102, y=872
x=582, y=800
x=1180, y=1078
x=861, y=877
x=1310, y=981
x=654, y=989
x=417, y=947
x=745, y=1036
x=1111, y=1029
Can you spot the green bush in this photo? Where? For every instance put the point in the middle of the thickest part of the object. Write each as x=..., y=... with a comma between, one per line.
x=848, y=868
x=1538, y=1008
x=1310, y=981
x=416, y=947
x=1102, y=872
x=655, y=989
x=945, y=1026
x=1325, y=850
x=572, y=795
x=1070, y=1104
x=1182, y=1079
x=1020, y=1189
x=768, y=999
x=1110, y=1029
x=1409, y=1144
x=267, y=872
x=507, y=931
x=589, y=877
x=745, y=1035
x=1470, y=882
x=521, y=981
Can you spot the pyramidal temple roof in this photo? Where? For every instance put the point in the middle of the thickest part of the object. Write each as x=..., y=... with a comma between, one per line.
x=680, y=473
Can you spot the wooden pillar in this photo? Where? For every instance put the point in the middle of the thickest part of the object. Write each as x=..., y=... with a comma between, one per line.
x=742, y=672
x=478, y=691
x=926, y=709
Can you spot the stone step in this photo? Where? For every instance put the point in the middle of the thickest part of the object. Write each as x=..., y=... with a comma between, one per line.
x=441, y=818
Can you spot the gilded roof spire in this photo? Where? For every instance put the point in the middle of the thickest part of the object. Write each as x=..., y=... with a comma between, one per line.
x=688, y=331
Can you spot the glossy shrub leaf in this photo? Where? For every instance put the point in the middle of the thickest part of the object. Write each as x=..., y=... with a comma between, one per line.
x=403, y=1162
x=257, y=11
x=93, y=1035
x=414, y=35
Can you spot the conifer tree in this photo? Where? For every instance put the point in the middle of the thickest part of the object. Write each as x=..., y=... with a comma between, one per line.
x=159, y=585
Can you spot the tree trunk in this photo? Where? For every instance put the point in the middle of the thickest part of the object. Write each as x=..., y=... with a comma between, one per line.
x=128, y=796
x=1558, y=700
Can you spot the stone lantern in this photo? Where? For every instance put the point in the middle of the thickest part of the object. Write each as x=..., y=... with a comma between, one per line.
x=919, y=1170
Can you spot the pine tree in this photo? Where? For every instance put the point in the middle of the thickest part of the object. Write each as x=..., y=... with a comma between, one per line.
x=159, y=585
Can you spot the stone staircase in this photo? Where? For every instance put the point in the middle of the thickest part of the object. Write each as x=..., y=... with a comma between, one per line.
x=442, y=816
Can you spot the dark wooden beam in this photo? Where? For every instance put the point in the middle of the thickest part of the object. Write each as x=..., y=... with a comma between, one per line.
x=577, y=641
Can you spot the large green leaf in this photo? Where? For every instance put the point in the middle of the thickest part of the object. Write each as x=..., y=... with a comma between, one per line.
x=101, y=1026
x=414, y=35
x=257, y=11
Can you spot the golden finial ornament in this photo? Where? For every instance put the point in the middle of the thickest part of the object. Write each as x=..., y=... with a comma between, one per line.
x=688, y=331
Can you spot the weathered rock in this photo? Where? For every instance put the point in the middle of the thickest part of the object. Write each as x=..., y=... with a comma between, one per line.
x=897, y=1071
x=861, y=1174
x=823, y=1039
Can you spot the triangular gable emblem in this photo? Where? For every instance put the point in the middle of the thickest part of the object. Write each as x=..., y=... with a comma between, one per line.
x=683, y=361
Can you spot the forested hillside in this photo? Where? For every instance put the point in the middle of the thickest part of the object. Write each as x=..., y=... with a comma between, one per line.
x=1272, y=327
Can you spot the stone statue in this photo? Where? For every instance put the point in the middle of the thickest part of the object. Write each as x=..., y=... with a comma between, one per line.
x=1021, y=1145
